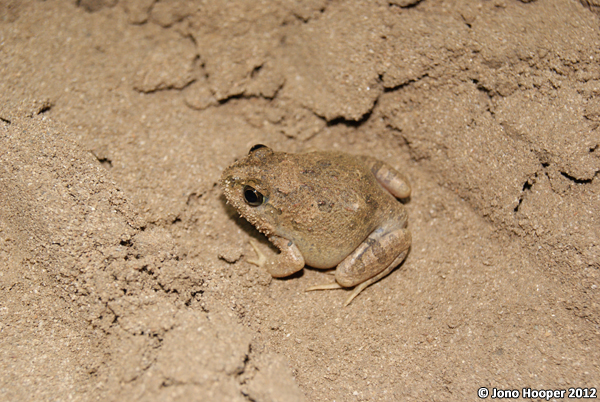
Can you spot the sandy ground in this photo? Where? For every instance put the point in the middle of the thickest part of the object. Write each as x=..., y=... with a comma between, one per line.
x=124, y=275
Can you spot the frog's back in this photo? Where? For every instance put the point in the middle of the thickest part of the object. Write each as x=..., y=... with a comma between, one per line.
x=329, y=202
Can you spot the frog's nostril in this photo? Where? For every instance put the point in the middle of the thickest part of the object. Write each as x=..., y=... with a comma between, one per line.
x=252, y=197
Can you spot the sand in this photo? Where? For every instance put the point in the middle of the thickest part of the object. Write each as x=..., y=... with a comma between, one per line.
x=124, y=275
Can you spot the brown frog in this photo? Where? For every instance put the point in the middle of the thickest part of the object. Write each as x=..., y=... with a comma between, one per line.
x=323, y=209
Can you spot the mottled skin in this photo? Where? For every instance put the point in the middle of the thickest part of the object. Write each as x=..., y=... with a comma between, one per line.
x=323, y=209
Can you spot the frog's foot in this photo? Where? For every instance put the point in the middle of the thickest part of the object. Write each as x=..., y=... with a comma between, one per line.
x=325, y=286
x=362, y=286
x=261, y=259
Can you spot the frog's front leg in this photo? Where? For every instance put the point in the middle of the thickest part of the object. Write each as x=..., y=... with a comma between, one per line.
x=374, y=259
x=287, y=262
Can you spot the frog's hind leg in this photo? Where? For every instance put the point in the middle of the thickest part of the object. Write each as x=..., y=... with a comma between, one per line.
x=373, y=256
x=374, y=259
x=374, y=279
x=392, y=180
x=362, y=286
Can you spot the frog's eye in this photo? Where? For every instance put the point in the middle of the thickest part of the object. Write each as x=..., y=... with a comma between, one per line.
x=260, y=152
x=257, y=146
x=252, y=197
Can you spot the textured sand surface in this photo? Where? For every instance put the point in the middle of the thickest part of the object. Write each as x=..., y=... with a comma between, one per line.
x=123, y=273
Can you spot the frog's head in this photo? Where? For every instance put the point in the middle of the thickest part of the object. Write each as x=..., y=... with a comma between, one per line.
x=248, y=185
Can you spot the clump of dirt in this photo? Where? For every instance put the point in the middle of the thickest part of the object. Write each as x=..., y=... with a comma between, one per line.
x=124, y=273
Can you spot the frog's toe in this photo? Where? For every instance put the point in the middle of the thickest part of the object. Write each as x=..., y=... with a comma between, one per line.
x=359, y=289
x=326, y=286
x=260, y=259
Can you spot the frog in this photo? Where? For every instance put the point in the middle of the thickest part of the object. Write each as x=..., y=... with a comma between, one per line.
x=323, y=209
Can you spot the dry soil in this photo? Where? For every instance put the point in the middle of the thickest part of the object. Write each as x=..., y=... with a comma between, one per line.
x=124, y=275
